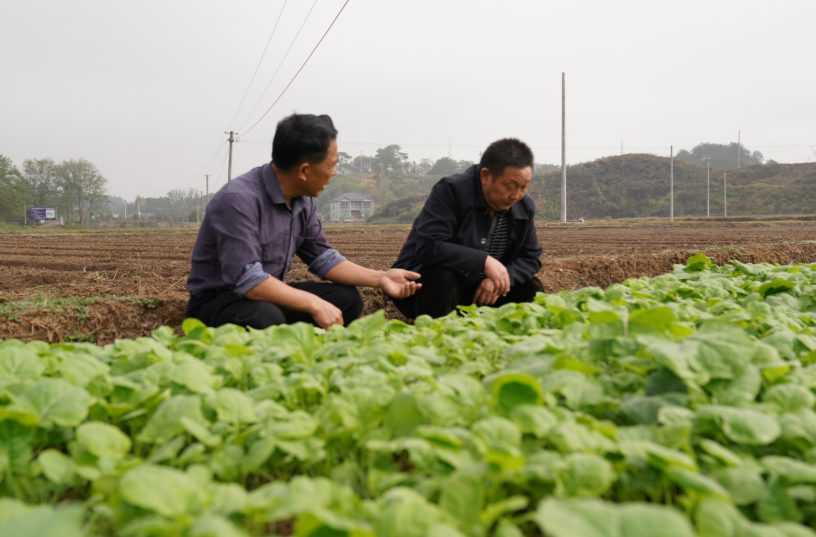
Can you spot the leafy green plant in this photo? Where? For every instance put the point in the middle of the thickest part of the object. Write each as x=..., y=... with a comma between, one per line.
x=676, y=405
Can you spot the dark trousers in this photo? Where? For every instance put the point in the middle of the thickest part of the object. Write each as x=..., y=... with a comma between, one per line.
x=222, y=306
x=442, y=290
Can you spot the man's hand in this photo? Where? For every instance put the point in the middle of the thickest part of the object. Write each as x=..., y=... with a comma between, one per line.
x=325, y=313
x=485, y=294
x=497, y=273
x=397, y=283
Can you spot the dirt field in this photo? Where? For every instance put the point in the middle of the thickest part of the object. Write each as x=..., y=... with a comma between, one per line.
x=42, y=268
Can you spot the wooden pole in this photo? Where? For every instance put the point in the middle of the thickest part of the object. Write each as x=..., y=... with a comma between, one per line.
x=231, y=139
x=563, y=149
x=739, y=148
x=671, y=181
x=708, y=195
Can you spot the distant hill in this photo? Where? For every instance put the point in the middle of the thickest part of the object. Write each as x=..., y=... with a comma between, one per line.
x=637, y=185
x=401, y=211
x=627, y=186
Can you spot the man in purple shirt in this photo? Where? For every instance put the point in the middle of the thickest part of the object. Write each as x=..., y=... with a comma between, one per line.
x=258, y=221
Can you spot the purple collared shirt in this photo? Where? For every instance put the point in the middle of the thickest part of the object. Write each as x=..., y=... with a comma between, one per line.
x=250, y=233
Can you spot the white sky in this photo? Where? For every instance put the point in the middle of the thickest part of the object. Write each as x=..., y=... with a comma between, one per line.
x=146, y=89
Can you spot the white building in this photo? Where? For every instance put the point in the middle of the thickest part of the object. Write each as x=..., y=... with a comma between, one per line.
x=351, y=207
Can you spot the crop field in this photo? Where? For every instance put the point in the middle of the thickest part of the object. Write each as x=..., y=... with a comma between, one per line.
x=42, y=274
x=676, y=406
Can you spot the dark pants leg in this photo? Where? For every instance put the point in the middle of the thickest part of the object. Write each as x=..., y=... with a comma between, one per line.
x=222, y=307
x=442, y=290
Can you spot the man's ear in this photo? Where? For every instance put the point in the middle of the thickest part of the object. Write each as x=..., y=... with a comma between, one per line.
x=301, y=169
x=485, y=175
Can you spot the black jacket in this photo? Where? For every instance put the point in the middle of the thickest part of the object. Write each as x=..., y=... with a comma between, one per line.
x=451, y=232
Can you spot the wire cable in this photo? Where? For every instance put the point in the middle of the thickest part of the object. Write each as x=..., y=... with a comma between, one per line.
x=301, y=68
x=259, y=63
x=279, y=66
x=198, y=175
x=220, y=173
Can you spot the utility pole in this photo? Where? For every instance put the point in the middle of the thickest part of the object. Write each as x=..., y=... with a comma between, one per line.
x=138, y=209
x=725, y=197
x=563, y=148
x=671, y=181
x=708, y=195
x=231, y=139
x=739, y=149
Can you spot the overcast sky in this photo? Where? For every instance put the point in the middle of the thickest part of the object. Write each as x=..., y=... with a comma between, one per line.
x=146, y=89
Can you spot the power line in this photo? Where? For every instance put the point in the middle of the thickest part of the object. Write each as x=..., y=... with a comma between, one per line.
x=301, y=67
x=279, y=66
x=259, y=63
x=198, y=175
x=215, y=161
x=245, y=94
x=220, y=172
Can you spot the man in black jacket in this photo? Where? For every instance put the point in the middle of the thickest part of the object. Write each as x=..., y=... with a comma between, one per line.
x=475, y=240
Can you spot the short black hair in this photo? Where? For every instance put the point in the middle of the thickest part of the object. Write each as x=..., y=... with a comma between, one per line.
x=302, y=138
x=507, y=152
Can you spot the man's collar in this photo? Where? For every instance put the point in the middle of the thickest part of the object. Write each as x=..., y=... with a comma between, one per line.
x=274, y=192
x=517, y=212
x=478, y=196
x=271, y=186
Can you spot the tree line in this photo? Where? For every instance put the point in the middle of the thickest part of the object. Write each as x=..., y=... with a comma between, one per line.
x=722, y=156
x=394, y=175
x=78, y=190
x=178, y=205
x=73, y=186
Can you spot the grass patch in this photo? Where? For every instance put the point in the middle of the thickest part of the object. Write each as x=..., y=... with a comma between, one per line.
x=75, y=305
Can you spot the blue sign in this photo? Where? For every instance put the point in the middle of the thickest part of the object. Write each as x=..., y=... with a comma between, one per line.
x=42, y=213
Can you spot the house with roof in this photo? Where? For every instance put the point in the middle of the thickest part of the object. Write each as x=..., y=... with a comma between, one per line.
x=351, y=207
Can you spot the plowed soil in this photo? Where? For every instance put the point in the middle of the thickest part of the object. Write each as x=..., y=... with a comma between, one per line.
x=154, y=265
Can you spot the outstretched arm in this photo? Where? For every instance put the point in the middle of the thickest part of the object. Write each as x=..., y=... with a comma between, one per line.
x=396, y=283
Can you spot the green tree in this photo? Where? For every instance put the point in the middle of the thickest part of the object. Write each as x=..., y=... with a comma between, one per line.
x=721, y=156
x=424, y=166
x=41, y=178
x=361, y=164
x=345, y=164
x=444, y=166
x=389, y=164
x=12, y=191
x=81, y=185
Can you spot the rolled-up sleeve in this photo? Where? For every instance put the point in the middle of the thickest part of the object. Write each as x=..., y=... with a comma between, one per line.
x=235, y=226
x=314, y=249
x=253, y=275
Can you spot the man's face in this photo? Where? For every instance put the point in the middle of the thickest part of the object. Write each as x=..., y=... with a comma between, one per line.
x=504, y=191
x=319, y=175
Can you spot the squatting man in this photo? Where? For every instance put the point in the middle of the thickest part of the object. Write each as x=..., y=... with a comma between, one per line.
x=473, y=241
x=255, y=225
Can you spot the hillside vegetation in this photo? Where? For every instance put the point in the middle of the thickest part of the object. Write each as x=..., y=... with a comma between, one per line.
x=637, y=185
x=627, y=186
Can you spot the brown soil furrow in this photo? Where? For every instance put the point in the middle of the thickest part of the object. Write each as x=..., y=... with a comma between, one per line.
x=150, y=263
x=110, y=319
